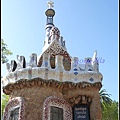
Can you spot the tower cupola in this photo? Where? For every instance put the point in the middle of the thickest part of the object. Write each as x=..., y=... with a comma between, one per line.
x=50, y=13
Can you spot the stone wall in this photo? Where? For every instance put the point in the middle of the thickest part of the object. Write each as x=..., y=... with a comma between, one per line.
x=35, y=96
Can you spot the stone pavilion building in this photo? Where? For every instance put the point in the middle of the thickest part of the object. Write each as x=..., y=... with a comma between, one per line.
x=53, y=85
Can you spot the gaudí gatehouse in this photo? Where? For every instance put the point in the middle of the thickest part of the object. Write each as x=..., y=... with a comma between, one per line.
x=54, y=85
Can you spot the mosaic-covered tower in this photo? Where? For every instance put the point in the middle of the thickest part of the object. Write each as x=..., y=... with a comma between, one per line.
x=53, y=85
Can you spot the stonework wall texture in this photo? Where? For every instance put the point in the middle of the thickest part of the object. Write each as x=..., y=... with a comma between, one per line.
x=35, y=96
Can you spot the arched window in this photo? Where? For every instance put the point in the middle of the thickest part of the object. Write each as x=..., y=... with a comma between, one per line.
x=14, y=114
x=14, y=109
x=56, y=109
x=56, y=113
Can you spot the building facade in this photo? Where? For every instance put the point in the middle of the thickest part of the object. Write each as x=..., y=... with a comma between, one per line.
x=53, y=86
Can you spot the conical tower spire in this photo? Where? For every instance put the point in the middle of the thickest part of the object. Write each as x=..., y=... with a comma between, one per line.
x=50, y=13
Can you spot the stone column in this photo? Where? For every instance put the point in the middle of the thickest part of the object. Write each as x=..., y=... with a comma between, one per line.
x=59, y=66
x=46, y=60
x=46, y=64
x=33, y=60
x=59, y=63
x=88, y=65
x=74, y=65
x=74, y=62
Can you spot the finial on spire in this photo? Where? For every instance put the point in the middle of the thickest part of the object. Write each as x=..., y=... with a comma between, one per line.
x=50, y=4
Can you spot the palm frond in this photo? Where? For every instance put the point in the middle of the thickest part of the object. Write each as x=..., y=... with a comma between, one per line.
x=105, y=99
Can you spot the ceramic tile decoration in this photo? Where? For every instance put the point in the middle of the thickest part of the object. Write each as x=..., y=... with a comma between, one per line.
x=27, y=73
x=57, y=102
x=13, y=103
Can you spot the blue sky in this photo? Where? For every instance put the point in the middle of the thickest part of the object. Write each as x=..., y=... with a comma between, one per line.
x=86, y=26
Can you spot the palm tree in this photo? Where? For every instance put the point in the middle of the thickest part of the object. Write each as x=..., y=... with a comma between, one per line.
x=105, y=99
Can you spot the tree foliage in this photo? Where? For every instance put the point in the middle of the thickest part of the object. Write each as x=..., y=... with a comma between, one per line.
x=110, y=112
x=109, y=107
x=105, y=99
x=5, y=52
x=4, y=101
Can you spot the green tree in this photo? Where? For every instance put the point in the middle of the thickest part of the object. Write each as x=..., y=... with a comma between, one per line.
x=110, y=112
x=5, y=52
x=105, y=99
x=4, y=101
x=109, y=107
